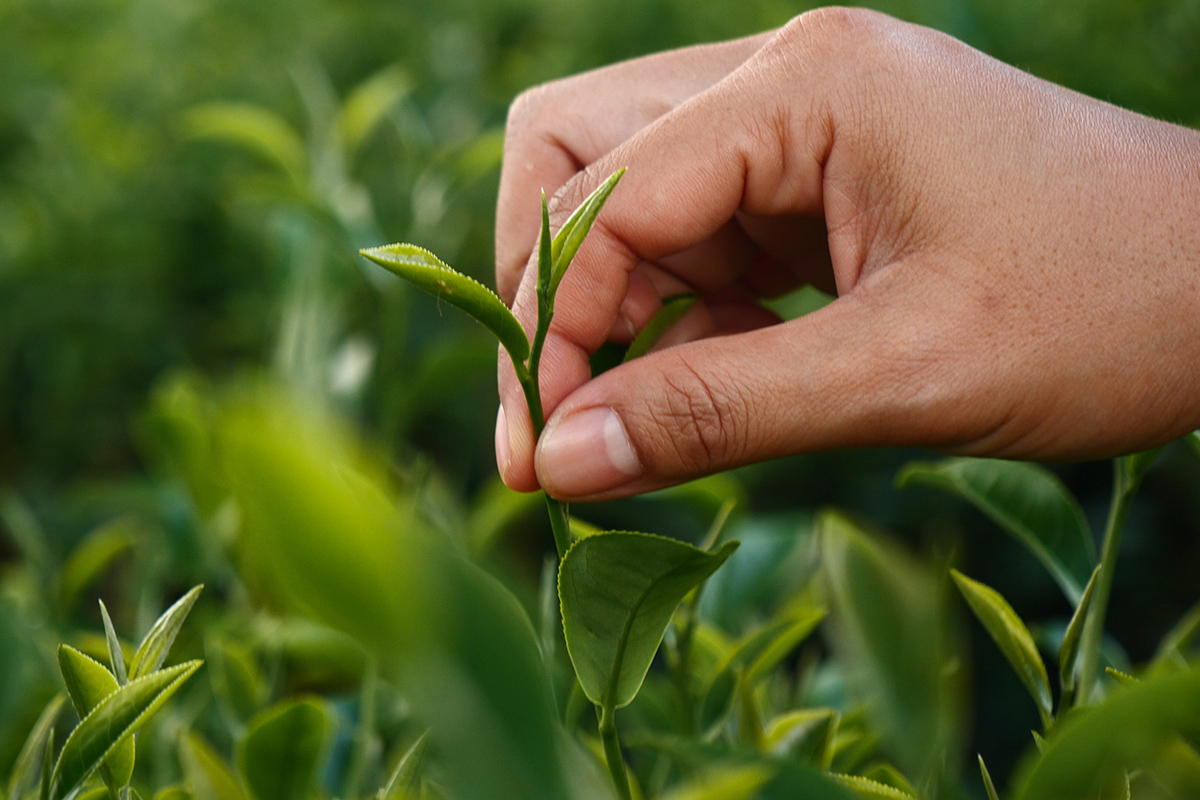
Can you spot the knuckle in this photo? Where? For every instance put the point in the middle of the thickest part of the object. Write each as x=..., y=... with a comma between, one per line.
x=526, y=111
x=833, y=30
x=699, y=418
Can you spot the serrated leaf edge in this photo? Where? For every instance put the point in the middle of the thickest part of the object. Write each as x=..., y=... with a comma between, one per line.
x=858, y=782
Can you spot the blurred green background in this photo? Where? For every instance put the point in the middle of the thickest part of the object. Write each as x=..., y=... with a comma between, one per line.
x=183, y=186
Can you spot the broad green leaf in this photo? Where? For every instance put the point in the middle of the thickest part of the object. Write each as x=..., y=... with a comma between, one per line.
x=725, y=783
x=208, y=776
x=405, y=776
x=109, y=724
x=1012, y=637
x=889, y=620
x=235, y=679
x=25, y=769
x=279, y=757
x=369, y=103
x=1095, y=747
x=153, y=650
x=256, y=130
x=794, y=628
x=571, y=235
x=1068, y=652
x=116, y=654
x=618, y=591
x=804, y=734
x=673, y=309
x=92, y=557
x=88, y=684
x=870, y=789
x=988, y=786
x=1026, y=500
x=426, y=271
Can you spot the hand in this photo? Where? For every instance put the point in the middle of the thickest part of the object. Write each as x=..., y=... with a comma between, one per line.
x=1017, y=265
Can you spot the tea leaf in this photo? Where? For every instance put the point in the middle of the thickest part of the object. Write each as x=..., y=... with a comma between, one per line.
x=208, y=776
x=1013, y=638
x=571, y=235
x=88, y=684
x=256, y=130
x=172, y=793
x=408, y=771
x=673, y=309
x=1122, y=677
x=116, y=654
x=725, y=783
x=618, y=591
x=47, y=760
x=92, y=557
x=426, y=271
x=279, y=757
x=25, y=769
x=1095, y=747
x=369, y=103
x=1068, y=652
x=109, y=724
x=1026, y=500
x=987, y=781
x=871, y=790
x=152, y=652
x=237, y=685
x=805, y=734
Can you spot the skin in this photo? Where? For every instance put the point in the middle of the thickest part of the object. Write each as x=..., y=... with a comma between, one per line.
x=1017, y=265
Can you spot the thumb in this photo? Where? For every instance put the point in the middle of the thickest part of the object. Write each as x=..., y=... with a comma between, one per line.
x=855, y=374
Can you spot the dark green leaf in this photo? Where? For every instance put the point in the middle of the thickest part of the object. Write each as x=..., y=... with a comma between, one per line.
x=153, y=650
x=88, y=684
x=571, y=235
x=426, y=271
x=110, y=723
x=1029, y=502
x=405, y=776
x=235, y=679
x=1068, y=652
x=805, y=734
x=1012, y=637
x=279, y=757
x=618, y=591
x=47, y=761
x=988, y=786
x=25, y=768
x=208, y=776
x=673, y=309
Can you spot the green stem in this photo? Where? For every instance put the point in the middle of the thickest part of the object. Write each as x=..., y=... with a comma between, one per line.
x=612, y=753
x=1124, y=488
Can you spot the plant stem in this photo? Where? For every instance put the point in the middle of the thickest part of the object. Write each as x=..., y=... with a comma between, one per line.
x=612, y=753
x=556, y=509
x=1124, y=488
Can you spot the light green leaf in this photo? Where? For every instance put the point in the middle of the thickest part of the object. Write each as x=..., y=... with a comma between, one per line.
x=255, y=130
x=804, y=734
x=673, y=309
x=870, y=789
x=571, y=235
x=618, y=591
x=153, y=650
x=92, y=557
x=889, y=621
x=88, y=684
x=369, y=103
x=1026, y=500
x=116, y=654
x=1068, y=652
x=725, y=783
x=987, y=781
x=405, y=776
x=1121, y=677
x=110, y=723
x=1012, y=637
x=25, y=768
x=173, y=793
x=1095, y=747
x=208, y=776
x=793, y=628
x=426, y=271
x=279, y=757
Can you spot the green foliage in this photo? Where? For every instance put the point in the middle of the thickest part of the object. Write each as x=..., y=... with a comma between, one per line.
x=673, y=309
x=279, y=757
x=88, y=684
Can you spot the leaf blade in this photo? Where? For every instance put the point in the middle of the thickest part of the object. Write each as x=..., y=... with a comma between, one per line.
x=570, y=236
x=155, y=646
x=88, y=684
x=673, y=309
x=279, y=757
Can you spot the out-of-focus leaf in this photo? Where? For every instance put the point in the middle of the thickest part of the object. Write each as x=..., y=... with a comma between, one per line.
x=871, y=789
x=618, y=591
x=110, y=723
x=116, y=653
x=1026, y=500
x=1135, y=466
x=405, y=776
x=1012, y=637
x=728, y=783
x=885, y=773
x=1176, y=770
x=1179, y=638
x=172, y=793
x=92, y=557
x=25, y=768
x=153, y=650
x=792, y=628
x=47, y=761
x=369, y=103
x=208, y=776
x=805, y=734
x=255, y=130
x=571, y=235
x=481, y=157
x=1068, y=652
x=890, y=622
x=25, y=531
x=496, y=509
x=279, y=757
x=718, y=699
x=1121, y=677
x=1193, y=439
x=673, y=309
x=88, y=684
x=988, y=786
x=1094, y=748
x=235, y=679
x=426, y=271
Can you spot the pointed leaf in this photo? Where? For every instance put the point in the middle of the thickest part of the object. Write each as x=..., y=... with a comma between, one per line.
x=545, y=253
x=47, y=761
x=369, y=103
x=256, y=130
x=116, y=655
x=871, y=790
x=673, y=309
x=571, y=235
x=1011, y=636
x=426, y=271
x=25, y=768
x=88, y=684
x=92, y=557
x=725, y=783
x=1095, y=747
x=279, y=757
x=208, y=776
x=618, y=591
x=1026, y=500
x=804, y=734
x=1068, y=652
x=987, y=781
x=109, y=724
x=152, y=652
x=407, y=772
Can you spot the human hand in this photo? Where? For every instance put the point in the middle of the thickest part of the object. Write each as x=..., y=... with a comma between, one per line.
x=1017, y=265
